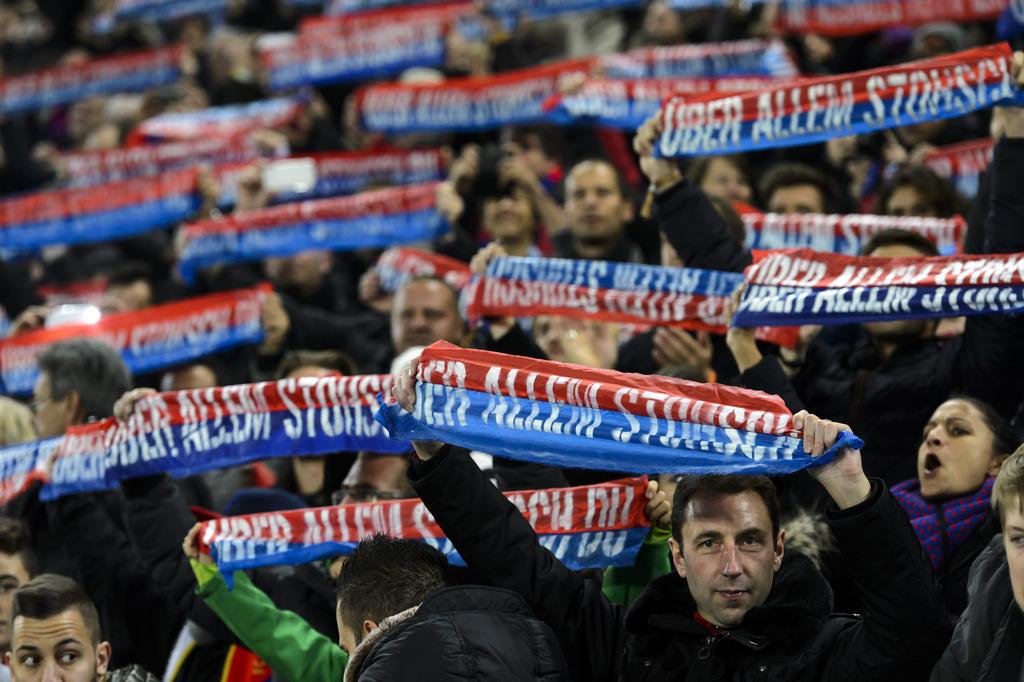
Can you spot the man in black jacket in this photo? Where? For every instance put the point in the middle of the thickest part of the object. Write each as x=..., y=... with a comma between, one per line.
x=399, y=618
x=737, y=607
x=887, y=380
x=989, y=637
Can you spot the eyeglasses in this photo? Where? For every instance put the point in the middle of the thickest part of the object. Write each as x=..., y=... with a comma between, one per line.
x=362, y=492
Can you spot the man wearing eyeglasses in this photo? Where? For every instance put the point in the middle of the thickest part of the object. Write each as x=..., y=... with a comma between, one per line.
x=79, y=381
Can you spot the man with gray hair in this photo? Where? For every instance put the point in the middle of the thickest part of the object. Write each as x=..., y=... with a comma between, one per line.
x=79, y=381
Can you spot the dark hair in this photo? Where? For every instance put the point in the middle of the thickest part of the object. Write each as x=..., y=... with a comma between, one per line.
x=48, y=595
x=1004, y=438
x=620, y=181
x=1009, y=485
x=385, y=576
x=333, y=360
x=550, y=139
x=791, y=174
x=700, y=166
x=732, y=219
x=127, y=272
x=899, y=237
x=721, y=484
x=935, y=190
x=92, y=369
x=16, y=540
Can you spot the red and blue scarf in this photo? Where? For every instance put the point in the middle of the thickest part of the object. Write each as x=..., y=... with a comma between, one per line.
x=944, y=526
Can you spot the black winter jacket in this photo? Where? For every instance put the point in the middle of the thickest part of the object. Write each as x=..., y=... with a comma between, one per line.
x=793, y=636
x=988, y=644
x=885, y=402
x=461, y=633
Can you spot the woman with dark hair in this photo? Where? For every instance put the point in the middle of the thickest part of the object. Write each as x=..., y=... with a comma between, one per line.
x=725, y=177
x=963, y=446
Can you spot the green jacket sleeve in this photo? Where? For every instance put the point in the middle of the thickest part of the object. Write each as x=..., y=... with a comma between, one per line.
x=288, y=644
x=623, y=585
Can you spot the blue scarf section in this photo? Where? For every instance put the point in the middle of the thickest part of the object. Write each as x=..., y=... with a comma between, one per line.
x=591, y=438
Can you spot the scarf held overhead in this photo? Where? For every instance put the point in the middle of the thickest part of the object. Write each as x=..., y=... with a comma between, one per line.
x=593, y=526
x=844, y=234
x=626, y=104
x=801, y=286
x=187, y=432
x=400, y=263
x=385, y=43
x=113, y=211
x=341, y=173
x=525, y=96
x=90, y=168
x=381, y=218
x=852, y=17
x=617, y=292
x=817, y=109
x=963, y=163
x=106, y=76
x=147, y=340
x=217, y=122
x=572, y=416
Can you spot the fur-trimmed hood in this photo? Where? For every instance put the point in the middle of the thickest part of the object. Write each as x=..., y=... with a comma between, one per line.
x=797, y=606
x=355, y=661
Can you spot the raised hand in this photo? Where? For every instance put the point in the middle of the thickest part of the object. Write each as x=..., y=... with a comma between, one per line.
x=125, y=405
x=843, y=477
x=405, y=394
x=662, y=173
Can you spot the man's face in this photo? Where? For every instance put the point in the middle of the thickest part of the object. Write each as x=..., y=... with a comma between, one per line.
x=189, y=378
x=796, y=199
x=594, y=208
x=56, y=648
x=900, y=329
x=51, y=416
x=509, y=217
x=425, y=311
x=1013, y=541
x=728, y=555
x=907, y=201
x=302, y=272
x=13, y=575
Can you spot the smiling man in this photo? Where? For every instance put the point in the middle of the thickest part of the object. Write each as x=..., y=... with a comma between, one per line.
x=55, y=635
x=727, y=544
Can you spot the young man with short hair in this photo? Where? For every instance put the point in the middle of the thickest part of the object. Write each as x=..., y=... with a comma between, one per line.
x=400, y=619
x=55, y=635
x=989, y=637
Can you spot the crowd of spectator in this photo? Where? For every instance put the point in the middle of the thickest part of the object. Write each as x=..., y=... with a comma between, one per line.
x=742, y=577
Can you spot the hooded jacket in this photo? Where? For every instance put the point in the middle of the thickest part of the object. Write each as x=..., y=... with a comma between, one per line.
x=461, y=633
x=793, y=636
x=989, y=637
